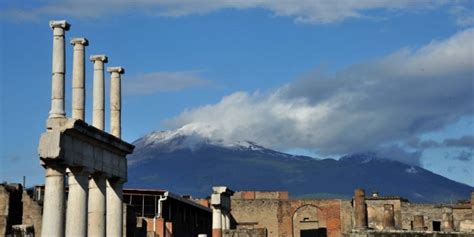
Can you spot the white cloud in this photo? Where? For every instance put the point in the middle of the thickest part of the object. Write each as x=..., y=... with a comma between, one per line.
x=307, y=11
x=154, y=82
x=362, y=107
x=464, y=15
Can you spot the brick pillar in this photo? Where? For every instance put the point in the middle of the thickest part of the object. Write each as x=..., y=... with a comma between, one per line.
x=360, y=209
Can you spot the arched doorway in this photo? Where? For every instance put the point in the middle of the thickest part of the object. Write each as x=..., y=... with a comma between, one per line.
x=307, y=222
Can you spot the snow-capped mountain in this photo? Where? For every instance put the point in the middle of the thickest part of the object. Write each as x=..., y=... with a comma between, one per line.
x=189, y=161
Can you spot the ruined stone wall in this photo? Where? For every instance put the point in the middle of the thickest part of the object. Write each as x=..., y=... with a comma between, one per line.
x=256, y=213
x=347, y=214
x=10, y=207
x=463, y=218
x=4, y=203
x=259, y=232
x=328, y=216
x=375, y=212
x=287, y=217
x=408, y=234
x=430, y=213
x=32, y=213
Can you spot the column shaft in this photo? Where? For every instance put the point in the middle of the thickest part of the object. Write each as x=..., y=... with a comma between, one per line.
x=58, y=69
x=223, y=220
x=98, y=119
x=360, y=209
x=114, y=208
x=76, y=216
x=98, y=93
x=227, y=222
x=115, y=105
x=216, y=222
x=53, y=206
x=78, y=79
x=96, y=206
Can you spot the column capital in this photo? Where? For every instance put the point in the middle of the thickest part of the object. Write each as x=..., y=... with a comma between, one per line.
x=63, y=24
x=99, y=57
x=119, y=70
x=81, y=41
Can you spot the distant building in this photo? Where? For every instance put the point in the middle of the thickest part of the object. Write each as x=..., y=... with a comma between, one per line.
x=163, y=213
x=274, y=214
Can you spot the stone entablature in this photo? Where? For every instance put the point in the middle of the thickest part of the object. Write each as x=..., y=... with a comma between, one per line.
x=74, y=143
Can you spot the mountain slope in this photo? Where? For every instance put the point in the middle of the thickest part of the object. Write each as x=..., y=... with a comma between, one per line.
x=189, y=163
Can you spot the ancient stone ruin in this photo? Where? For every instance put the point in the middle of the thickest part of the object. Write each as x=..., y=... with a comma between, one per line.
x=91, y=160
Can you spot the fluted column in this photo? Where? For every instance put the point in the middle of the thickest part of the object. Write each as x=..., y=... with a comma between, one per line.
x=53, y=206
x=76, y=216
x=96, y=206
x=115, y=100
x=78, y=78
x=114, y=207
x=216, y=222
x=58, y=69
x=98, y=103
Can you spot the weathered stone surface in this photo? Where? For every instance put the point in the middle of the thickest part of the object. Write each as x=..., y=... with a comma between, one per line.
x=115, y=100
x=388, y=217
x=98, y=94
x=75, y=143
x=32, y=213
x=58, y=68
x=78, y=78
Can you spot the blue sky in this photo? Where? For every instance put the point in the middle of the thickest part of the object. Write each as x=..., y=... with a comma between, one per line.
x=325, y=78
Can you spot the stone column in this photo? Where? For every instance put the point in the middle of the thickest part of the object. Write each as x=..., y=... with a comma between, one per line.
x=223, y=219
x=448, y=220
x=115, y=100
x=96, y=206
x=360, y=209
x=388, y=217
x=227, y=221
x=57, y=90
x=76, y=216
x=53, y=206
x=78, y=78
x=98, y=103
x=418, y=223
x=216, y=222
x=114, y=208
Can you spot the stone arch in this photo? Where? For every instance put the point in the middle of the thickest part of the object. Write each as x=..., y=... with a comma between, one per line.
x=309, y=220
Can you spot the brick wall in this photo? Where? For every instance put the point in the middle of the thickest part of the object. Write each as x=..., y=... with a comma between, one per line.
x=260, y=232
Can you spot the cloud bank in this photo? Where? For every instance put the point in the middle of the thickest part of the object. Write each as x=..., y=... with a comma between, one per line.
x=306, y=11
x=154, y=82
x=362, y=107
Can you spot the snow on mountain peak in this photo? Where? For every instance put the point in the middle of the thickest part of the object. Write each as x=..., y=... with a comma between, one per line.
x=193, y=136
